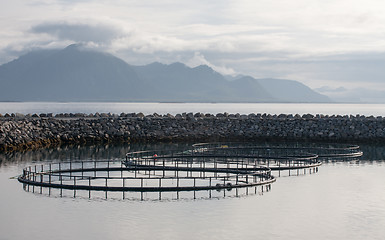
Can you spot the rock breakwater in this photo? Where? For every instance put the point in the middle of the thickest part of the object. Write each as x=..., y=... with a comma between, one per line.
x=19, y=132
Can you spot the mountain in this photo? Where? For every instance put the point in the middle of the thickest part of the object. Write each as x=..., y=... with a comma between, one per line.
x=71, y=74
x=177, y=82
x=291, y=91
x=354, y=95
x=77, y=74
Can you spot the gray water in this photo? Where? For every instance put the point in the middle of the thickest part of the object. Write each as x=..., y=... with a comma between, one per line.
x=174, y=108
x=341, y=201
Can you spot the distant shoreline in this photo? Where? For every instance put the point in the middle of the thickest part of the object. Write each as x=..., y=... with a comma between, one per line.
x=20, y=132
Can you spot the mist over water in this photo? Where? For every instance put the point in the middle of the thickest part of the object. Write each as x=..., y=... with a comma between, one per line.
x=342, y=201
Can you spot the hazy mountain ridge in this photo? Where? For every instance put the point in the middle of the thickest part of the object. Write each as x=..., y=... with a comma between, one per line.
x=77, y=74
x=291, y=91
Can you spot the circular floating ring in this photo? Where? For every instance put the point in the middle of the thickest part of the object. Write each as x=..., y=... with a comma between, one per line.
x=204, y=167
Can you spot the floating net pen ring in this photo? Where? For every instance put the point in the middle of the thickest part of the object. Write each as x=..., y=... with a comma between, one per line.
x=146, y=177
x=204, y=167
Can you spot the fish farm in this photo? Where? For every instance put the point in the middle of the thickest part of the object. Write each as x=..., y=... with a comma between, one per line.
x=206, y=170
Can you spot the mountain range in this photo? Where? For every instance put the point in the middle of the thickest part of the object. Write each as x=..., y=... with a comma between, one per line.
x=78, y=74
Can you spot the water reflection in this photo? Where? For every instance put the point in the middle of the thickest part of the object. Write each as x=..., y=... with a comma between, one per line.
x=373, y=152
x=342, y=201
x=85, y=152
x=117, y=151
x=214, y=166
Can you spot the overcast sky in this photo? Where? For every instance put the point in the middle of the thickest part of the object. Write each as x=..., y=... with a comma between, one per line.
x=335, y=43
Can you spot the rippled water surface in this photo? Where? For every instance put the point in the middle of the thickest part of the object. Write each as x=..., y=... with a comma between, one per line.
x=341, y=201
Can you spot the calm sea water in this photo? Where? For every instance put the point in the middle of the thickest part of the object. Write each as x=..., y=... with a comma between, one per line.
x=341, y=201
x=174, y=108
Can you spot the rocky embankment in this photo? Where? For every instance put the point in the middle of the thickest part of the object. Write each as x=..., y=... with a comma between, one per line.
x=19, y=132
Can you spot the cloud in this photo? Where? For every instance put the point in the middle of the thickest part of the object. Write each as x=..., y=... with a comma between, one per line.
x=327, y=89
x=333, y=43
x=199, y=59
x=79, y=32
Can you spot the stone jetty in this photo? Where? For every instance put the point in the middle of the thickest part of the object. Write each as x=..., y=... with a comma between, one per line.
x=22, y=132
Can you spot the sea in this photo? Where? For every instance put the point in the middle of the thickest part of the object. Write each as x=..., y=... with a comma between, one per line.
x=175, y=108
x=343, y=200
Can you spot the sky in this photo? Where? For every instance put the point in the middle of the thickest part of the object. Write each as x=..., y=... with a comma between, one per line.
x=336, y=47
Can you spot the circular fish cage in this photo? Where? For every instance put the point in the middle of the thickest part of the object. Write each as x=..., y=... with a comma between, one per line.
x=322, y=152
x=206, y=170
